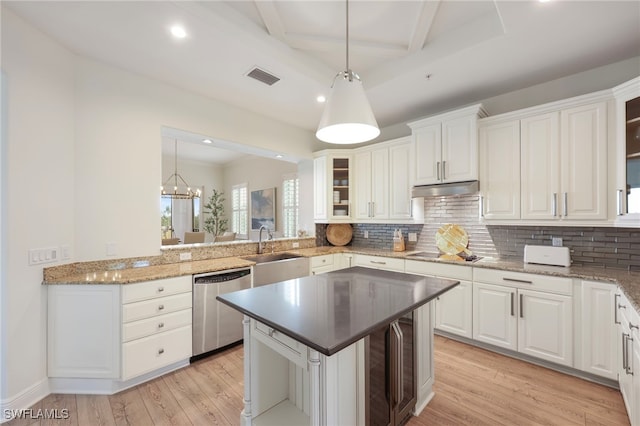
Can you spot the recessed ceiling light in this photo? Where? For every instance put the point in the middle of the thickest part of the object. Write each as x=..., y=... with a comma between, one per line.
x=321, y=99
x=207, y=141
x=178, y=31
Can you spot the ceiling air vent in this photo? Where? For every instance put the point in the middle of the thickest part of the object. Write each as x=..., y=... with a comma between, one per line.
x=263, y=76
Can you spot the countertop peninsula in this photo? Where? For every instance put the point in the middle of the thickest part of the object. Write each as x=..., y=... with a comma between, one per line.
x=330, y=311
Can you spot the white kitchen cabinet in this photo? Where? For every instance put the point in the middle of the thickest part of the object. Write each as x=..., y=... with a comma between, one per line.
x=499, y=147
x=83, y=331
x=333, y=183
x=383, y=180
x=446, y=146
x=626, y=159
x=151, y=307
x=453, y=309
x=597, y=325
x=379, y=262
x=528, y=313
x=629, y=360
x=322, y=264
x=372, y=183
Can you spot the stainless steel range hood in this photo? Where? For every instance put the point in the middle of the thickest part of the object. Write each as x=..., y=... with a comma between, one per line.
x=444, y=189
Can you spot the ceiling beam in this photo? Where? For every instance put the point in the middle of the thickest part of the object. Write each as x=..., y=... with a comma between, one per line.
x=271, y=18
x=423, y=25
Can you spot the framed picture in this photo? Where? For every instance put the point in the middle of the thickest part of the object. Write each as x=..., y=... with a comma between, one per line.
x=263, y=209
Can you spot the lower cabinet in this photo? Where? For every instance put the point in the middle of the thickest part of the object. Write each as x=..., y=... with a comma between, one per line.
x=597, y=325
x=379, y=262
x=453, y=309
x=118, y=332
x=629, y=361
x=516, y=317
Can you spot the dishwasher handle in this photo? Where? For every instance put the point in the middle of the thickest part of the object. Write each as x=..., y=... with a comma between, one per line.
x=220, y=277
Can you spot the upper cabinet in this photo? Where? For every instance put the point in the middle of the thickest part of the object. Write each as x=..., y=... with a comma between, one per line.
x=547, y=163
x=446, y=146
x=332, y=180
x=627, y=153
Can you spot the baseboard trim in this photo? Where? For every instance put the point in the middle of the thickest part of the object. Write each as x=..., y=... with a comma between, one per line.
x=23, y=400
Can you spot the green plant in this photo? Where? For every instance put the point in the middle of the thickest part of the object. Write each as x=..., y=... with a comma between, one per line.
x=214, y=222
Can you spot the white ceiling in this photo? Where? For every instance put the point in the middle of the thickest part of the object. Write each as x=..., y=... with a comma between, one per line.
x=471, y=49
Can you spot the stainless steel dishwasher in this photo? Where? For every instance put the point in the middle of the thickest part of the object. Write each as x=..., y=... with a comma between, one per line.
x=214, y=324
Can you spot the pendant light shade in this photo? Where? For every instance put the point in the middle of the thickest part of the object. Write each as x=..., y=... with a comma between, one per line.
x=347, y=116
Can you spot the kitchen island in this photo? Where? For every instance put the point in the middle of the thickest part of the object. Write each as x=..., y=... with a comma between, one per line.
x=306, y=343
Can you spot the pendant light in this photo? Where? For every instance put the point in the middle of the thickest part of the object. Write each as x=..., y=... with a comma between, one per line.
x=347, y=116
x=182, y=191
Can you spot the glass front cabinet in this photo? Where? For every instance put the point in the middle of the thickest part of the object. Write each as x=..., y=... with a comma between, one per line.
x=628, y=152
x=332, y=170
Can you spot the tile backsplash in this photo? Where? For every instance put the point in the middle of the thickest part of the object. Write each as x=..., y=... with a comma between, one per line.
x=606, y=247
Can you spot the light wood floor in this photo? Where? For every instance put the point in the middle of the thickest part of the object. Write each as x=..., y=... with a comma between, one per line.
x=473, y=387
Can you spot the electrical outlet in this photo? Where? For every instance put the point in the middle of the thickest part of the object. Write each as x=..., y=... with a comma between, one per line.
x=556, y=241
x=65, y=252
x=295, y=245
x=366, y=234
x=185, y=256
x=413, y=237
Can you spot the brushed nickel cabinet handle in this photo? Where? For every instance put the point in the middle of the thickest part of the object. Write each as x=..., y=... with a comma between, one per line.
x=271, y=332
x=554, y=204
x=624, y=351
x=521, y=307
x=631, y=326
x=438, y=170
x=615, y=309
x=517, y=280
x=161, y=325
x=444, y=170
x=566, y=208
x=160, y=289
x=160, y=307
x=629, y=369
x=620, y=208
x=160, y=351
x=481, y=206
x=377, y=262
x=513, y=296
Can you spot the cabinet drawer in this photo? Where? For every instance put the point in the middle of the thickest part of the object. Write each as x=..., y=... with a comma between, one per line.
x=281, y=343
x=627, y=313
x=378, y=262
x=150, y=353
x=158, y=324
x=156, y=288
x=154, y=307
x=443, y=270
x=523, y=280
x=318, y=261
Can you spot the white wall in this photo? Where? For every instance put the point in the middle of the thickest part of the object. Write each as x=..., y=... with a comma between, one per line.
x=38, y=199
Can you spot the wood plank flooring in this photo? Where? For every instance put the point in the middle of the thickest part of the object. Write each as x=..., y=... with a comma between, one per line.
x=473, y=387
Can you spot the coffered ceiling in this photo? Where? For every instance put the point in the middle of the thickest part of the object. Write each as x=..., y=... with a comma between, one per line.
x=413, y=56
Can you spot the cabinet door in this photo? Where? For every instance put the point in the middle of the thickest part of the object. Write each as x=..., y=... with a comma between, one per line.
x=453, y=310
x=362, y=165
x=494, y=315
x=380, y=183
x=500, y=170
x=584, y=161
x=599, y=336
x=625, y=378
x=320, y=188
x=459, y=150
x=545, y=328
x=428, y=154
x=540, y=146
x=400, y=181
x=635, y=368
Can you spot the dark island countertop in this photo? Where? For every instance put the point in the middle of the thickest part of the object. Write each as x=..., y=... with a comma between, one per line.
x=329, y=312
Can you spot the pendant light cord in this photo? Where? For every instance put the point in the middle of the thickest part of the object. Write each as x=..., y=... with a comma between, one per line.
x=347, y=22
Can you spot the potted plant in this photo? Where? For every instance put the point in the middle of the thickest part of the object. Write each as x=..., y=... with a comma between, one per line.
x=214, y=223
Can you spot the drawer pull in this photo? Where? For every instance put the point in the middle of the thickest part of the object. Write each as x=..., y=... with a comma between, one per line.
x=631, y=327
x=161, y=307
x=514, y=280
x=615, y=311
x=161, y=325
x=271, y=332
x=324, y=260
x=160, y=351
x=160, y=289
x=621, y=306
x=378, y=262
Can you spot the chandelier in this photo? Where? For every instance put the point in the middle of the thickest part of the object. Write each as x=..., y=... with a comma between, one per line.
x=181, y=189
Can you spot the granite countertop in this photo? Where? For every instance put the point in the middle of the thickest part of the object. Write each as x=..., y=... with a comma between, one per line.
x=328, y=312
x=627, y=280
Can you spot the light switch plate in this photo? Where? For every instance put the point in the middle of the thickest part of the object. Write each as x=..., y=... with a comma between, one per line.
x=185, y=256
x=413, y=237
x=366, y=234
x=556, y=242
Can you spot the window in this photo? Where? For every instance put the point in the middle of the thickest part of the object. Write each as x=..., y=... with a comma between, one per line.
x=239, y=210
x=178, y=216
x=290, y=205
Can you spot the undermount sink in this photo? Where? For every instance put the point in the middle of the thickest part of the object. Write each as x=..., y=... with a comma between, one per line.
x=271, y=257
x=275, y=267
